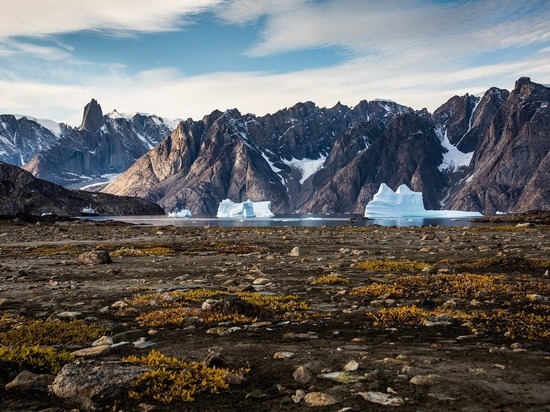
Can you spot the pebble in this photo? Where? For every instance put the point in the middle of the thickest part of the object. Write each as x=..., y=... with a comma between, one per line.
x=299, y=395
x=381, y=398
x=295, y=252
x=104, y=340
x=26, y=381
x=141, y=343
x=93, y=351
x=351, y=366
x=283, y=355
x=69, y=315
x=429, y=379
x=315, y=399
x=302, y=375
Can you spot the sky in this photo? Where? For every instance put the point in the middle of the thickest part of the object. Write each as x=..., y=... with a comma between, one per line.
x=186, y=58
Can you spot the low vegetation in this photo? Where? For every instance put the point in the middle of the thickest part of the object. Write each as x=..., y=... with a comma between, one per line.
x=172, y=379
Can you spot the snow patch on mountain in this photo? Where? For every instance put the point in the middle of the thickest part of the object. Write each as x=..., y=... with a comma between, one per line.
x=307, y=167
x=52, y=126
x=452, y=158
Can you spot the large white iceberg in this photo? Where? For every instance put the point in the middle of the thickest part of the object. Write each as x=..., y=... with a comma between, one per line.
x=180, y=213
x=405, y=203
x=247, y=209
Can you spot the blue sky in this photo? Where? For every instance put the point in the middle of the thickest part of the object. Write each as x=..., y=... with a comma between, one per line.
x=185, y=58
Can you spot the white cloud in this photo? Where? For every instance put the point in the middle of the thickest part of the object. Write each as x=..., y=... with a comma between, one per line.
x=415, y=52
x=47, y=17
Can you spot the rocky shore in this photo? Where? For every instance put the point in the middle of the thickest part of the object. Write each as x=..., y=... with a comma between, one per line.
x=105, y=316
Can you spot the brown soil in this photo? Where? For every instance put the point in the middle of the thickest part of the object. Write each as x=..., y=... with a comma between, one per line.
x=40, y=278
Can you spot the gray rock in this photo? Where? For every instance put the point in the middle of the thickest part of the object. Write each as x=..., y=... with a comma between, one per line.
x=88, y=379
x=382, y=398
x=94, y=258
x=302, y=375
x=26, y=381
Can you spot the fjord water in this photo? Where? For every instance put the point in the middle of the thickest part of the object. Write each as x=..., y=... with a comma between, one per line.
x=288, y=220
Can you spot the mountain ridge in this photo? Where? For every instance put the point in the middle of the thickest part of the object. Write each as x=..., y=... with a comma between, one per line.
x=309, y=159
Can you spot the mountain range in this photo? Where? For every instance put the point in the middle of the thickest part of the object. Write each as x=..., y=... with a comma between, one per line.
x=482, y=153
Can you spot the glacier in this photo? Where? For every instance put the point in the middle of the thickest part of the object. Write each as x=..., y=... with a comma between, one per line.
x=228, y=208
x=405, y=203
x=180, y=213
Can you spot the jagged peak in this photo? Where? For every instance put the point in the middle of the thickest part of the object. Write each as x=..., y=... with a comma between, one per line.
x=92, y=119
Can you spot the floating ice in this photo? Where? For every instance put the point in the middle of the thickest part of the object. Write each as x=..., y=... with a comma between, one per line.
x=180, y=213
x=247, y=209
x=405, y=203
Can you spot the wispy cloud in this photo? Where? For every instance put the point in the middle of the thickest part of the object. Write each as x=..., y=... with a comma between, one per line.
x=416, y=52
x=121, y=17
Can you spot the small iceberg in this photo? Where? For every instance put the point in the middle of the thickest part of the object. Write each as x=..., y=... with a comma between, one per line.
x=247, y=209
x=404, y=203
x=180, y=213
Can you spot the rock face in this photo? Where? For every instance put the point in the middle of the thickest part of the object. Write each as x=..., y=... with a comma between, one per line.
x=510, y=168
x=21, y=138
x=102, y=145
x=276, y=157
x=22, y=193
x=483, y=154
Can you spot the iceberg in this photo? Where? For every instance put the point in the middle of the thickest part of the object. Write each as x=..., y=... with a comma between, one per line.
x=408, y=204
x=247, y=209
x=180, y=213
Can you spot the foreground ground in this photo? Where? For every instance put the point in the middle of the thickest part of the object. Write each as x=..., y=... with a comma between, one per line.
x=348, y=318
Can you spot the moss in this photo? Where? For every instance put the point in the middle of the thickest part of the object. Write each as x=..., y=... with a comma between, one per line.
x=381, y=265
x=182, y=307
x=37, y=359
x=172, y=379
x=51, y=333
x=145, y=251
x=329, y=280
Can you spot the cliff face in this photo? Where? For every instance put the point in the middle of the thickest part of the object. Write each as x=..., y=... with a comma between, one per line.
x=483, y=154
x=474, y=153
x=509, y=170
x=22, y=193
x=102, y=145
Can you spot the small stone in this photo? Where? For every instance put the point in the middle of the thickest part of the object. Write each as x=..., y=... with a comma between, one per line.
x=261, y=281
x=141, y=343
x=93, y=351
x=528, y=224
x=295, y=252
x=381, y=398
x=30, y=381
x=119, y=304
x=449, y=304
x=351, y=366
x=69, y=315
x=429, y=379
x=516, y=345
x=94, y=258
x=299, y=395
x=104, y=340
x=315, y=399
x=302, y=375
x=283, y=355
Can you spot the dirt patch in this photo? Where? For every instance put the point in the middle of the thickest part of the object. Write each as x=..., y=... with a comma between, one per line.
x=440, y=318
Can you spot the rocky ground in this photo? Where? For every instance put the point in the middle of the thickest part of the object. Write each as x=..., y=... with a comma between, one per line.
x=335, y=319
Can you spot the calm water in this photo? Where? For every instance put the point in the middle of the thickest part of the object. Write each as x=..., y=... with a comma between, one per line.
x=285, y=220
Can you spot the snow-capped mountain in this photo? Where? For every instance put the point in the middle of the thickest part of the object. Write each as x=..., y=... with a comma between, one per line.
x=103, y=146
x=21, y=137
x=311, y=159
x=486, y=154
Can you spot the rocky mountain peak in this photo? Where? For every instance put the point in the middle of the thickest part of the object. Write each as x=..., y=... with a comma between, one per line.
x=92, y=120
